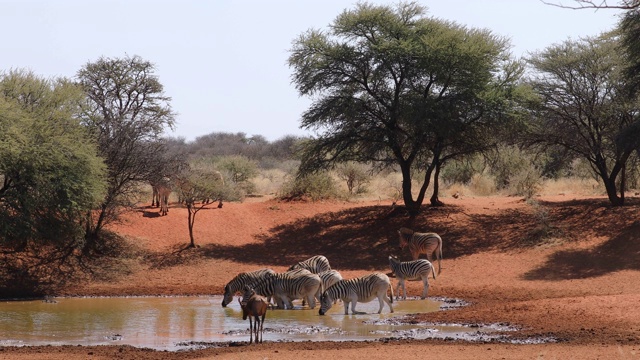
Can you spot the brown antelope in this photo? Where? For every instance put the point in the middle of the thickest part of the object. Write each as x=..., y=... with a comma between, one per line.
x=254, y=305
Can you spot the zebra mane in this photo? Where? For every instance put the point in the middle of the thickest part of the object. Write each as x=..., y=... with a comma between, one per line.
x=406, y=232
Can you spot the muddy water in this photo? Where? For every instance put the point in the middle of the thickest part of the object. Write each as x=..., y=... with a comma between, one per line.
x=173, y=323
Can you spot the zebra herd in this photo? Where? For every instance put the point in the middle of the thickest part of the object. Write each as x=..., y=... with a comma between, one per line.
x=313, y=279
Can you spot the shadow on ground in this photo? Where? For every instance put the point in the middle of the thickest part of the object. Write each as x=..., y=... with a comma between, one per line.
x=363, y=238
x=621, y=252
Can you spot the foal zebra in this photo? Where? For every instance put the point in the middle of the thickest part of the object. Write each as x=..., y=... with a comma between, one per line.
x=284, y=288
x=411, y=270
x=315, y=264
x=421, y=243
x=362, y=289
x=241, y=280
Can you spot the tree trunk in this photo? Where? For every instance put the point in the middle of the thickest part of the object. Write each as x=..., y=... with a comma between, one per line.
x=612, y=192
x=435, y=201
x=191, y=219
x=411, y=205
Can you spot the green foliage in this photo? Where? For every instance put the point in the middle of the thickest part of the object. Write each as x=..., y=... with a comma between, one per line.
x=355, y=175
x=51, y=175
x=126, y=112
x=507, y=162
x=462, y=171
x=584, y=107
x=241, y=170
x=316, y=186
x=392, y=86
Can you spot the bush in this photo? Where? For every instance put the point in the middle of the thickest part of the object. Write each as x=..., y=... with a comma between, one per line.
x=355, y=175
x=527, y=183
x=316, y=186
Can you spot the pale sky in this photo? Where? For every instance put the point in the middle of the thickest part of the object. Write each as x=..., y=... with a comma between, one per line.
x=224, y=62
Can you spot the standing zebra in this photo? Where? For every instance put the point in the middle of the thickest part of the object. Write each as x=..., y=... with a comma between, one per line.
x=421, y=243
x=363, y=289
x=315, y=264
x=284, y=288
x=239, y=281
x=411, y=270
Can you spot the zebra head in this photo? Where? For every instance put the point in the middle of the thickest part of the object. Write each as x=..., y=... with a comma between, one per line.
x=405, y=235
x=228, y=296
x=325, y=303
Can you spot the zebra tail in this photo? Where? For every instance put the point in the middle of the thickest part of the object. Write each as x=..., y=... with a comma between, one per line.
x=433, y=272
x=391, y=288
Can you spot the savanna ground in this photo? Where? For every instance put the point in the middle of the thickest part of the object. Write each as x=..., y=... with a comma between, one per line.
x=565, y=267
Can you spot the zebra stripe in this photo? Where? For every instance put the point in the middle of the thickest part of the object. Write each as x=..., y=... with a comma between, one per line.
x=422, y=243
x=329, y=278
x=363, y=289
x=285, y=288
x=411, y=270
x=239, y=281
x=315, y=264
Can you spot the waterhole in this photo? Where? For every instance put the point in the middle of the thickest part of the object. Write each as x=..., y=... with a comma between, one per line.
x=175, y=323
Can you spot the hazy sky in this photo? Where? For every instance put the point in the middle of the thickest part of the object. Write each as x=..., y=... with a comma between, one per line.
x=224, y=62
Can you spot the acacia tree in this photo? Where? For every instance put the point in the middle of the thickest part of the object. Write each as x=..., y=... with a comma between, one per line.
x=391, y=86
x=50, y=176
x=126, y=112
x=584, y=108
x=194, y=184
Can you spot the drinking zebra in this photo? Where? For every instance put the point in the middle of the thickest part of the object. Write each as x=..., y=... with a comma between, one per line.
x=315, y=264
x=239, y=281
x=421, y=243
x=284, y=288
x=411, y=270
x=363, y=289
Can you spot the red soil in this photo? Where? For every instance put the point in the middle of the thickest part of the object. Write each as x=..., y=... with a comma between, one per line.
x=581, y=287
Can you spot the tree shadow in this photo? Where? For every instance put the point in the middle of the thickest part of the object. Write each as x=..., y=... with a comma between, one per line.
x=361, y=238
x=622, y=252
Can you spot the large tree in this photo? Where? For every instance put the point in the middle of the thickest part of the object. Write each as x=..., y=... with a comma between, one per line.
x=127, y=112
x=394, y=87
x=49, y=169
x=50, y=176
x=584, y=107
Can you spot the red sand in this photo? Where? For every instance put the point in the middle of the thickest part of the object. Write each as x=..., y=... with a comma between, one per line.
x=582, y=288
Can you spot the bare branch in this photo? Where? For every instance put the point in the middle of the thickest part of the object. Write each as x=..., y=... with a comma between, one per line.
x=603, y=4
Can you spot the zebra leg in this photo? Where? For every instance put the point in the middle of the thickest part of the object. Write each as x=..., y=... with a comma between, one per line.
x=354, y=302
x=311, y=299
x=346, y=306
x=382, y=297
x=425, y=282
x=404, y=291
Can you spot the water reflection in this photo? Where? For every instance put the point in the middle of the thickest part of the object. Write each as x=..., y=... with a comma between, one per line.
x=166, y=322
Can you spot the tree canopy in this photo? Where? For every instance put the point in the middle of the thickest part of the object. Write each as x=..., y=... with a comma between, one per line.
x=126, y=112
x=583, y=106
x=49, y=169
x=393, y=87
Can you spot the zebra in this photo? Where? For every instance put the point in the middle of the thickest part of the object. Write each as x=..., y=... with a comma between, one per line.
x=284, y=288
x=316, y=264
x=239, y=281
x=329, y=278
x=362, y=289
x=421, y=243
x=411, y=270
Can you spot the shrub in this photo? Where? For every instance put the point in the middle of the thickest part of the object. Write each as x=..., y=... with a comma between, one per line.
x=317, y=186
x=527, y=183
x=355, y=175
